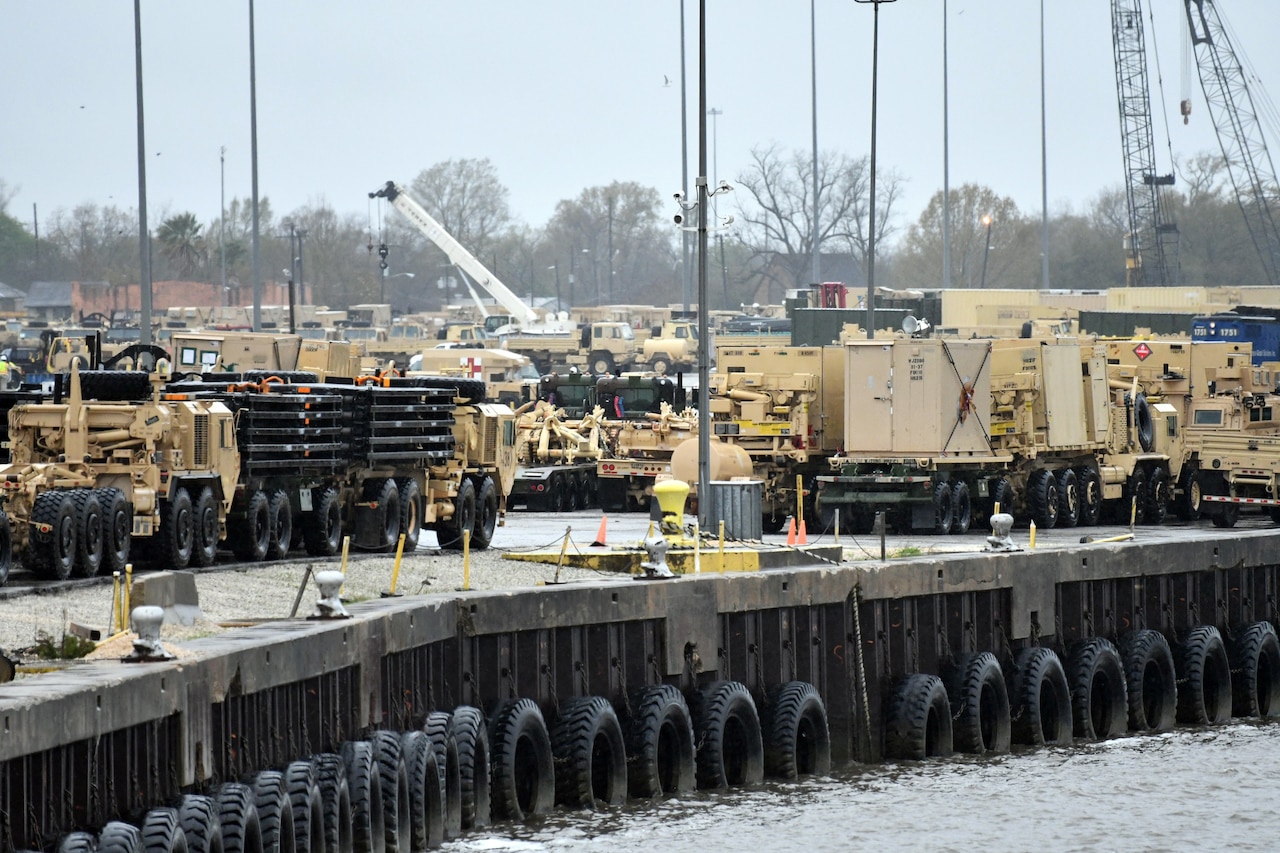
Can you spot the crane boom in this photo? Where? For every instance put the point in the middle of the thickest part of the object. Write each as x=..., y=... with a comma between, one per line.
x=456, y=252
x=1235, y=119
x=1153, y=242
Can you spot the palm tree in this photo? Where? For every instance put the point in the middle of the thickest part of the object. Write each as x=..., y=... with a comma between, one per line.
x=183, y=244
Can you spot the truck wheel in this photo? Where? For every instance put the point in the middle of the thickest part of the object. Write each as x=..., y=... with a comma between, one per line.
x=410, y=512
x=250, y=533
x=1090, y=484
x=464, y=518
x=1068, y=499
x=388, y=499
x=555, y=492
x=53, y=554
x=117, y=529
x=1001, y=497
x=661, y=364
x=942, y=516
x=773, y=520
x=6, y=548
x=1227, y=516
x=89, y=548
x=322, y=532
x=569, y=482
x=1187, y=506
x=176, y=536
x=961, y=508
x=1135, y=498
x=205, y=547
x=1157, y=495
x=1042, y=491
x=486, y=514
x=281, y=514
x=586, y=490
x=601, y=363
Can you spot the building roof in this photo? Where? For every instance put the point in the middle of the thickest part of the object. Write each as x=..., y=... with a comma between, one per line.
x=49, y=294
x=10, y=292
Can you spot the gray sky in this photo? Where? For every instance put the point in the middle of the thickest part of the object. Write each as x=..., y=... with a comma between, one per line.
x=565, y=94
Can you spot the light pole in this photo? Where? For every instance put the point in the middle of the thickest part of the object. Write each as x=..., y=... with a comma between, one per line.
x=222, y=219
x=986, y=220
x=871, y=225
x=813, y=70
x=144, y=243
x=946, y=160
x=686, y=270
x=559, y=304
x=302, y=288
x=715, y=169
x=253, y=158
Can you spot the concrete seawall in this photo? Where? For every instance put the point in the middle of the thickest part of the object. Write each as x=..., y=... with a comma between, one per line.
x=106, y=740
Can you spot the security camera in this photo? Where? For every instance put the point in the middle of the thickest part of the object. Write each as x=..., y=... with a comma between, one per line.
x=678, y=196
x=679, y=218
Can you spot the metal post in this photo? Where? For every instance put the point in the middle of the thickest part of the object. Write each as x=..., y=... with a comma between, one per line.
x=222, y=218
x=686, y=271
x=946, y=160
x=253, y=158
x=1044, y=170
x=871, y=225
x=813, y=70
x=986, y=220
x=144, y=234
x=704, y=374
x=302, y=288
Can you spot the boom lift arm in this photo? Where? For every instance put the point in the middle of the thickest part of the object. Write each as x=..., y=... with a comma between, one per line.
x=456, y=252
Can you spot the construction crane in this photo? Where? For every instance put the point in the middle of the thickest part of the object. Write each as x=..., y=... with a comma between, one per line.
x=1152, y=242
x=1231, y=106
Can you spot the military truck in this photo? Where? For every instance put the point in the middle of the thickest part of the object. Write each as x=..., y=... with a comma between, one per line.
x=509, y=377
x=937, y=431
x=129, y=466
x=672, y=347
x=599, y=348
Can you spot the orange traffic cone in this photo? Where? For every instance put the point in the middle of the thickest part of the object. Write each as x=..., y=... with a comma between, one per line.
x=801, y=538
x=600, y=534
x=791, y=533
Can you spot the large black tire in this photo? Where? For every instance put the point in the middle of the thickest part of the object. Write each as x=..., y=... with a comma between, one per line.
x=1157, y=495
x=1090, y=483
x=727, y=732
x=524, y=777
x=115, y=384
x=469, y=732
x=1151, y=681
x=449, y=532
x=942, y=510
x=198, y=817
x=1225, y=515
x=1042, y=698
x=306, y=807
x=426, y=790
x=249, y=532
x=335, y=800
x=797, y=738
x=486, y=515
x=322, y=530
x=1144, y=423
x=437, y=728
x=660, y=751
x=979, y=697
x=365, y=788
x=394, y=776
x=53, y=553
x=238, y=818
x=590, y=757
x=280, y=512
x=77, y=842
x=117, y=529
x=1255, y=672
x=1002, y=496
x=411, y=512
x=89, y=539
x=1099, y=695
x=773, y=520
x=162, y=833
x=275, y=813
x=601, y=362
x=961, y=509
x=1043, y=499
x=918, y=719
x=661, y=364
x=205, y=528
x=1204, y=677
x=1068, y=499
x=119, y=837
x=383, y=523
x=176, y=535
x=1134, y=506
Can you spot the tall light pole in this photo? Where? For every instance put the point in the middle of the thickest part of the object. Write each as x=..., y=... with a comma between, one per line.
x=302, y=288
x=559, y=304
x=1044, y=170
x=946, y=160
x=144, y=235
x=222, y=218
x=715, y=169
x=813, y=73
x=253, y=157
x=704, y=373
x=685, y=270
x=871, y=224
x=986, y=220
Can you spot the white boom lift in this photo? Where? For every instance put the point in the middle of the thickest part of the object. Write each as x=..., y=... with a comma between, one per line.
x=468, y=264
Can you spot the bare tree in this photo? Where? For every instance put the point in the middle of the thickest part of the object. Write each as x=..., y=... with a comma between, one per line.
x=777, y=206
x=6, y=195
x=467, y=198
x=977, y=214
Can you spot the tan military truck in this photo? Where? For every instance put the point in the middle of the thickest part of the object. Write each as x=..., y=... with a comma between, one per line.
x=510, y=377
x=672, y=347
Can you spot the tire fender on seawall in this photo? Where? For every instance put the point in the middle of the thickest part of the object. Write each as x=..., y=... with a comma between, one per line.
x=1042, y=698
x=660, y=750
x=979, y=705
x=727, y=733
x=590, y=757
x=524, y=781
x=1151, y=681
x=1099, y=695
x=797, y=738
x=918, y=719
x=1204, y=677
x=1255, y=672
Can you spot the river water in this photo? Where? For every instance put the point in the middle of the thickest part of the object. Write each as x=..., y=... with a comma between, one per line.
x=1201, y=789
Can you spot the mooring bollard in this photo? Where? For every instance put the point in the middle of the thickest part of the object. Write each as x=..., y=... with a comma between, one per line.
x=330, y=604
x=147, y=647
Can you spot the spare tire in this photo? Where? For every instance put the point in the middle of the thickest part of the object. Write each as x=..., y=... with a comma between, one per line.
x=1144, y=423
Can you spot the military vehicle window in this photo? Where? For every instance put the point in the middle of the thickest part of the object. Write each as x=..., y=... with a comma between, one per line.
x=627, y=334
x=599, y=332
x=1208, y=417
x=209, y=358
x=508, y=433
x=187, y=356
x=682, y=332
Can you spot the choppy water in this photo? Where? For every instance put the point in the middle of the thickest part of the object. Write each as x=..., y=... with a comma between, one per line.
x=1207, y=789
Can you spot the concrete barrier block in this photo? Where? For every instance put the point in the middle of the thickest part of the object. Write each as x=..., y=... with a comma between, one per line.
x=174, y=592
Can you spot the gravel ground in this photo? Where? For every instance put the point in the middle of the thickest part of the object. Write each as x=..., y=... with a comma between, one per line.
x=268, y=591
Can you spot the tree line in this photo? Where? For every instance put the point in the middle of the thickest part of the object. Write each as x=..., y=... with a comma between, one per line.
x=617, y=243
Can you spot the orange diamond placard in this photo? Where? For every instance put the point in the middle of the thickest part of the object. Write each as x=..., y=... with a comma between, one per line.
x=1142, y=351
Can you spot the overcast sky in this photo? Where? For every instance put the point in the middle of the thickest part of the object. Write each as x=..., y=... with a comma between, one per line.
x=565, y=94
